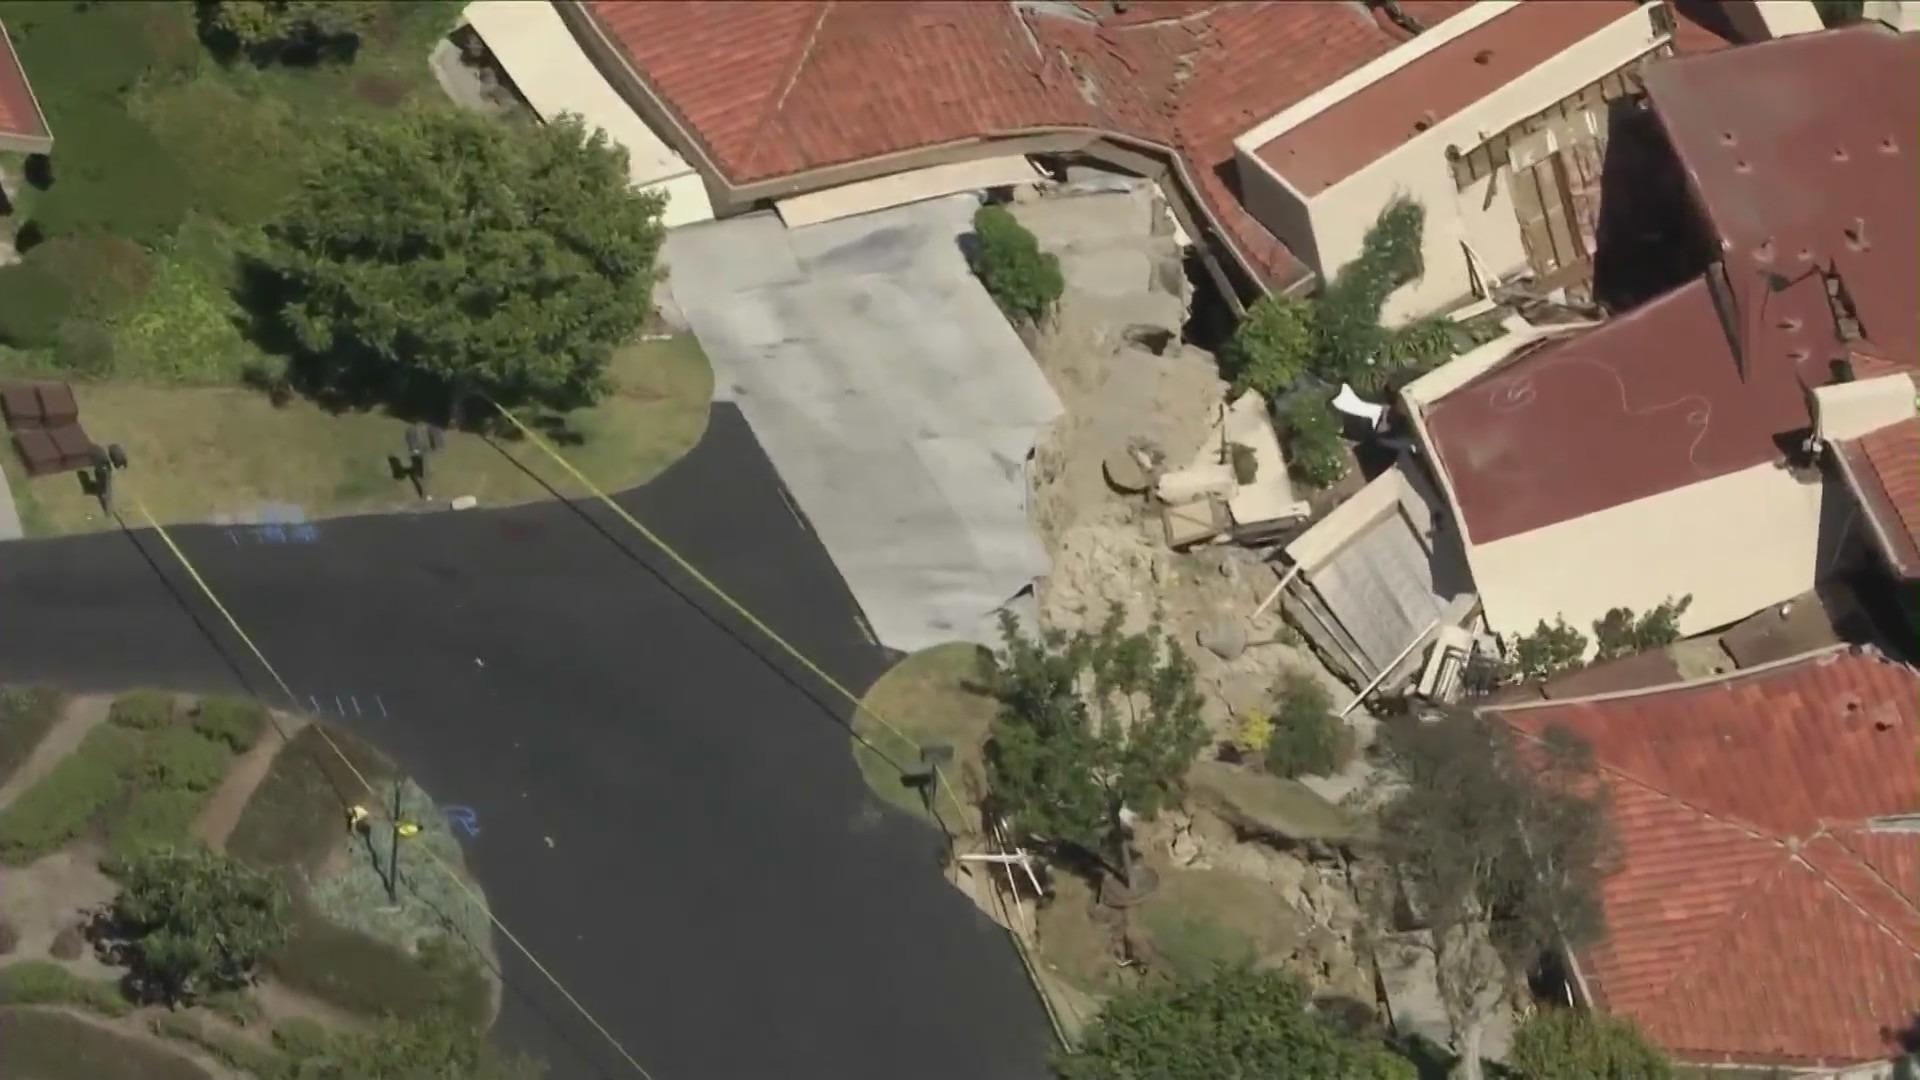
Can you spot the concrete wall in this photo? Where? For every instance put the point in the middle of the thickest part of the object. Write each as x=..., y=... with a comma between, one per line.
x=1419, y=169
x=1902, y=15
x=1327, y=230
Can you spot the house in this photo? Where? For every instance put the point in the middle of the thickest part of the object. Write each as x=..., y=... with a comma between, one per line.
x=1762, y=906
x=783, y=99
x=1673, y=450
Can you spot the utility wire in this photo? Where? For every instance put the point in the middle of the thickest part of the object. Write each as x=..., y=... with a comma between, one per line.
x=451, y=874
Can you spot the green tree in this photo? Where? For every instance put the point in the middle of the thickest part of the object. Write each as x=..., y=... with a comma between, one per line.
x=1308, y=739
x=1574, y=1044
x=438, y=254
x=193, y=921
x=1025, y=281
x=1499, y=852
x=1236, y=1023
x=1090, y=724
x=1620, y=633
x=1548, y=652
x=1351, y=339
x=1315, y=454
x=1272, y=347
x=295, y=30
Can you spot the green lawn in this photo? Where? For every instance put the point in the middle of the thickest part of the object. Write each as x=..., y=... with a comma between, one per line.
x=26, y=715
x=166, y=166
x=926, y=697
x=42, y=1045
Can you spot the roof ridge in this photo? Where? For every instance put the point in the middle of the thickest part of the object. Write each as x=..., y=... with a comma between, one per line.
x=1873, y=872
x=1837, y=651
x=787, y=84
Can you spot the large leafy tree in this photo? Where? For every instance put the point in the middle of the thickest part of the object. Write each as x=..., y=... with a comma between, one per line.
x=1499, y=846
x=192, y=921
x=1092, y=725
x=1573, y=1044
x=1236, y=1023
x=438, y=254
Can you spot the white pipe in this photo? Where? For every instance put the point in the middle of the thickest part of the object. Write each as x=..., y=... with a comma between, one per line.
x=1275, y=594
x=1388, y=670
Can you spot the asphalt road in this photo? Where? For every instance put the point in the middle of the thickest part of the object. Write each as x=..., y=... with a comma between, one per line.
x=669, y=816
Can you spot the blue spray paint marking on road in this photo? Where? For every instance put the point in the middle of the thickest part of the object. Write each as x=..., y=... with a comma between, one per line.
x=462, y=818
x=272, y=523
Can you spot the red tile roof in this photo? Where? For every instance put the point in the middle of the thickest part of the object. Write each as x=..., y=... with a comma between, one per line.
x=780, y=87
x=1756, y=917
x=1884, y=469
x=1540, y=440
x=20, y=115
x=1338, y=142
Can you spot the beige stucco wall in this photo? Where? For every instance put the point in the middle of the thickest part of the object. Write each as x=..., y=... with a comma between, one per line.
x=1850, y=410
x=1327, y=229
x=1902, y=15
x=1697, y=540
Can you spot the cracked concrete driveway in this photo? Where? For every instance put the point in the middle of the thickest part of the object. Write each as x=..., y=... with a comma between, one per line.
x=669, y=816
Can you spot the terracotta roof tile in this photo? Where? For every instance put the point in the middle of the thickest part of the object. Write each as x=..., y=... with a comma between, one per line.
x=1754, y=917
x=780, y=87
x=1892, y=464
x=19, y=113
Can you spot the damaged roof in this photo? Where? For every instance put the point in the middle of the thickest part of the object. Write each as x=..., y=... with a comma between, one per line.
x=781, y=87
x=1764, y=900
x=1795, y=178
x=1883, y=468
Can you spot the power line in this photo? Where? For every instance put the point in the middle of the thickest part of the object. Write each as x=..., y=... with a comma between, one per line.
x=452, y=875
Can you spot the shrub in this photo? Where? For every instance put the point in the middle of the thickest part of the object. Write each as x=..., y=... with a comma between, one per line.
x=1025, y=281
x=68, y=800
x=84, y=349
x=181, y=759
x=1548, y=652
x=1272, y=347
x=1255, y=732
x=1308, y=739
x=26, y=715
x=9, y=937
x=33, y=305
x=1316, y=456
x=1620, y=633
x=193, y=921
x=235, y=723
x=297, y=31
x=154, y=818
x=1574, y=1044
x=40, y=982
x=142, y=710
x=1352, y=345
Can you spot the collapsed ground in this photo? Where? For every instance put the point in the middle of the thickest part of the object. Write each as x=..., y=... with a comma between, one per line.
x=1248, y=867
x=166, y=167
x=85, y=778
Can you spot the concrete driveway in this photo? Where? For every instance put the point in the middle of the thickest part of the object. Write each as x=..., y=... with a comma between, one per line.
x=894, y=399
x=669, y=814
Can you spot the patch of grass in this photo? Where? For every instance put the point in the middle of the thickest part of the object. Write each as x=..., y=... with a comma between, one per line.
x=297, y=815
x=50, y=1046
x=246, y=151
x=233, y=1051
x=26, y=715
x=186, y=333
x=236, y=1007
x=926, y=697
x=1197, y=919
x=71, y=799
x=41, y=982
x=142, y=710
x=235, y=723
x=204, y=453
x=353, y=971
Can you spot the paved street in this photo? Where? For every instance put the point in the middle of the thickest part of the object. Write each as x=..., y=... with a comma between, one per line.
x=669, y=818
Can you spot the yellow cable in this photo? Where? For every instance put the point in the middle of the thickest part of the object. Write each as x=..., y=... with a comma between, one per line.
x=739, y=609
x=452, y=875
x=859, y=705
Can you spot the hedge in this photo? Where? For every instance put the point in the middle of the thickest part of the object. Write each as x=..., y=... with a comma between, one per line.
x=71, y=798
x=235, y=723
x=42, y=982
x=142, y=710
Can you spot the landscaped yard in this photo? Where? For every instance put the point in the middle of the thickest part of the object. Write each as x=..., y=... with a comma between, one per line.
x=204, y=453
x=927, y=698
x=143, y=775
x=166, y=166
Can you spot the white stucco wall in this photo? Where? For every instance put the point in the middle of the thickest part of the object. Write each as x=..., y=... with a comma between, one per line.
x=1328, y=228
